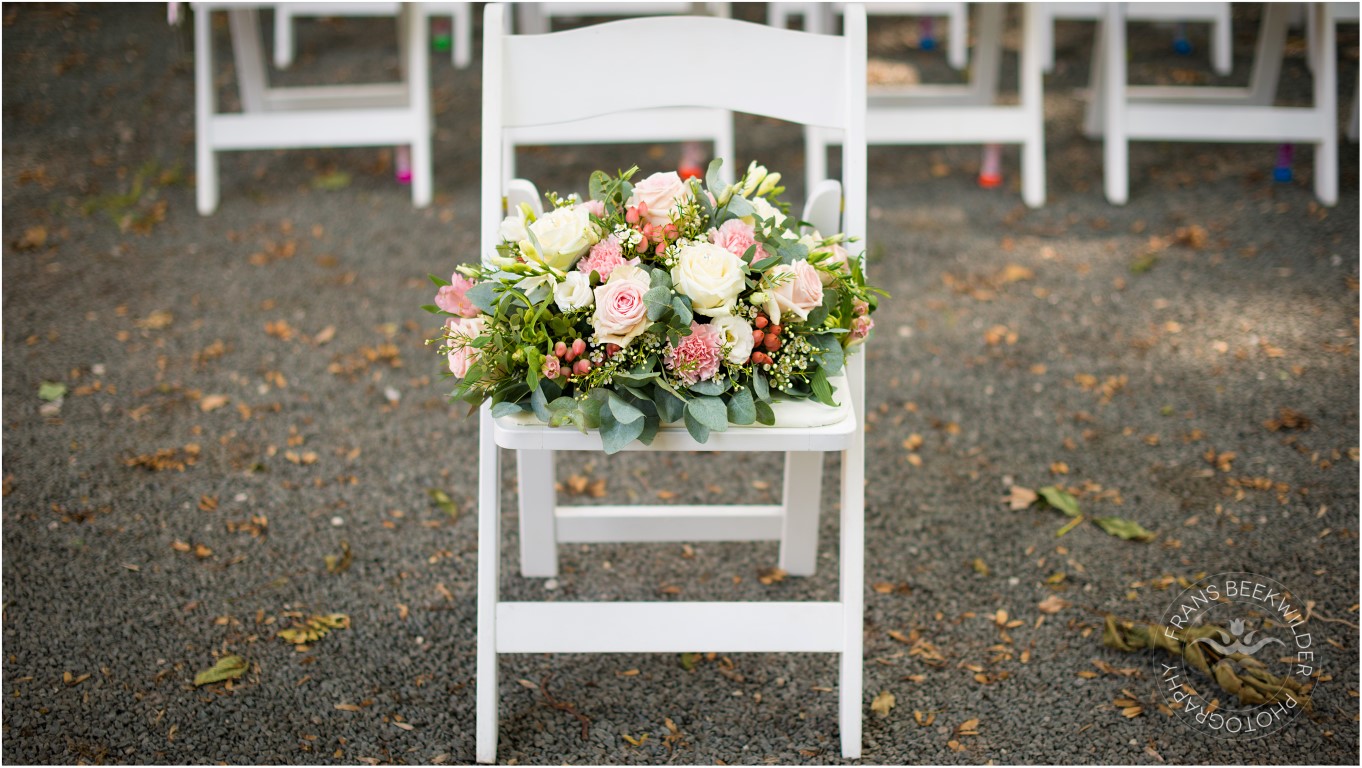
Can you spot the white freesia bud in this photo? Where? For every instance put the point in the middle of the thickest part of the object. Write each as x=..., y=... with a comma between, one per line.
x=753, y=178
x=757, y=299
x=768, y=185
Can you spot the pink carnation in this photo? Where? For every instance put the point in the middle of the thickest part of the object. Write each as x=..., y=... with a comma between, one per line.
x=552, y=367
x=452, y=298
x=736, y=236
x=698, y=356
x=604, y=257
x=460, y=333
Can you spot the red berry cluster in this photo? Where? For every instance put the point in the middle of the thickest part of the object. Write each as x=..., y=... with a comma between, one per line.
x=766, y=336
x=654, y=236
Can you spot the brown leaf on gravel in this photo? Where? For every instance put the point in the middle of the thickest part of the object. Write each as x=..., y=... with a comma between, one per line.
x=1288, y=419
x=1052, y=604
x=325, y=335
x=155, y=321
x=883, y=703
x=32, y=239
x=968, y=728
x=167, y=459
x=1000, y=334
x=8, y=485
x=213, y=402
x=1221, y=461
x=772, y=575
x=1019, y=498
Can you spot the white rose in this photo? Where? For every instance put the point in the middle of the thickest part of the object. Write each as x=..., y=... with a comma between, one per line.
x=711, y=276
x=574, y=292
x=737, y=332
x=662, y=192
x=764, y=211
x=564, y=234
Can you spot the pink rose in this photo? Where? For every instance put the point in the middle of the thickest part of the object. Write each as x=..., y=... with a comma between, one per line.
x=452, y=299
x=604, y=257
x=595, y=208
x=459, y=334
x=661, y=192
x=796, y=289
x=620, y=313
x=736, y=236
x=698, y=355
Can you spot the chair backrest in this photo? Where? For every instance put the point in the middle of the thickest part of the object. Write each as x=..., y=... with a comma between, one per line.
x=803, y=78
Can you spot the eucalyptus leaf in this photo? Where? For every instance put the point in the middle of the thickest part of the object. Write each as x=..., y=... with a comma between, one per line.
x=742, y=409
x=669, y=406
x=681, y=308
x=697, y=430
x=760, y=388
x=506, y=409
x=709, y=411
x=622, y=411
x=615, y=434
x=483, y=295
x=711, y=387
x=765, y=415
x=713, y=180
x=658, y=301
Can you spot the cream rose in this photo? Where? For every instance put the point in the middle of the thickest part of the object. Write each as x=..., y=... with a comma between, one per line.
x=711, y=276
x=794, y=288
x=662, y=192
x=620, y=313
x=574, y=292
x=564, y=234
x=735, y=331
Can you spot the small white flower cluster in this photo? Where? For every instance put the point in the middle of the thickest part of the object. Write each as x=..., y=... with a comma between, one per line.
x=790, y=362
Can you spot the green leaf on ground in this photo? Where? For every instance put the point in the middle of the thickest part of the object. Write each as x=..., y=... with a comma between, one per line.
x=1060, y=500
x=227, y=668
x=330, y=182
x=443, y=501
x=1124, y=529
x=51, y=391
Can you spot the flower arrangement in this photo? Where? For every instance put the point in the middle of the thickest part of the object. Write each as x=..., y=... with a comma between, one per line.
x=655, y=301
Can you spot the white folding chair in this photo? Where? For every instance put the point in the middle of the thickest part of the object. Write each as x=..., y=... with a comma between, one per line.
x=678, y=123
x=817, y=19
x=1121, y=113
x=955, y=114
x=460, y=15
x=831, y=76
x=365, y=115
x=1216, y=14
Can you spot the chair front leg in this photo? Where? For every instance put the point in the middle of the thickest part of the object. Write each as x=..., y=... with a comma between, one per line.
x=538, y=525
x=489, y=584
x=802, y=499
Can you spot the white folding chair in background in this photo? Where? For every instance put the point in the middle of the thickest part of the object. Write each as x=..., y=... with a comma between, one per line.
x=830, y=72
x=961, y=114
x=460, y=15
x=355, y=115
x=957, y=15
x=1215, y=14
x=1121, y=113
x=673, y=124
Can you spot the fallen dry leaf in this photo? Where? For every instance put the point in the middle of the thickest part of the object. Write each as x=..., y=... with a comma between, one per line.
x=1052, y=604
x=1019, y=498
x=883, y=703
x=213, y=402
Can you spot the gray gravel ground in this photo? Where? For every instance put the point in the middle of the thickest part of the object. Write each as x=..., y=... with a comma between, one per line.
x=298, y=304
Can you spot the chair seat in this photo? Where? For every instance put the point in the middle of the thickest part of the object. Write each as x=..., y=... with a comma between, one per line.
x=801, y=425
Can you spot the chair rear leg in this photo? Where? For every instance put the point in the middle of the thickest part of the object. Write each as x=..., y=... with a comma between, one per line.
x=205, y=106
x=802, y=499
